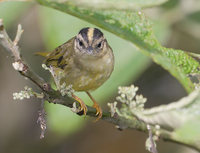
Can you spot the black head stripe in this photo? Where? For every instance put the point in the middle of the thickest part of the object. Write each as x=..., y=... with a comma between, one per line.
x=97, y=34
x=83, y=32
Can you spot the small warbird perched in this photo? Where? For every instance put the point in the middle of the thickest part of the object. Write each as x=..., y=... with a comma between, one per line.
x=86, y=60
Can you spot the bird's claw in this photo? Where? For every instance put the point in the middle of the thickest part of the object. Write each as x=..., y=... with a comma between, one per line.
x=99, y=111
x=83, y=108
x=82, y=104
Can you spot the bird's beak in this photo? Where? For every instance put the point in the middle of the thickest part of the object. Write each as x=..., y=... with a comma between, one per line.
x=90, y=50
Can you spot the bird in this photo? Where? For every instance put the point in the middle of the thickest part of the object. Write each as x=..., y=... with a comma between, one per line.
x=86, y=60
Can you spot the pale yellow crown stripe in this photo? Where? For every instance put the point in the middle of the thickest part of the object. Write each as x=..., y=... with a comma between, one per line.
x=90, y=35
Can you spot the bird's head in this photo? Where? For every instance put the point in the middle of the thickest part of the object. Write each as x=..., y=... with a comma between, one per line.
x=90, y=42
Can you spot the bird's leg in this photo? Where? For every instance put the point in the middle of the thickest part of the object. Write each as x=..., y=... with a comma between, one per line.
x=83, y=106
x=96, y=106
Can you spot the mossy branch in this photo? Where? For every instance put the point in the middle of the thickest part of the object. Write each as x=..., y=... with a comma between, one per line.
x=129, y=116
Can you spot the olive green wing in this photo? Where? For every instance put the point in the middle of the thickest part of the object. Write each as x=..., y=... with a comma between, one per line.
x=60, y=56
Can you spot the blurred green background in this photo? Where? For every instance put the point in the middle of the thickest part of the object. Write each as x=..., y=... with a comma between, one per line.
x=176, y=25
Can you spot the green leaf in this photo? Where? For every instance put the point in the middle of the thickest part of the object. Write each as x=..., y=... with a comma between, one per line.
x=189, y=133
x=181, y=119
x=135, y=27
x=114, y=4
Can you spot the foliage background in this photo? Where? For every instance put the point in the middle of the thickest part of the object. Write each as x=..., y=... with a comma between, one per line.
x=44, y=30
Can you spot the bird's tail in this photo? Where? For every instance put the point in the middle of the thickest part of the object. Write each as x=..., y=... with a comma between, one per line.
x=43, y=54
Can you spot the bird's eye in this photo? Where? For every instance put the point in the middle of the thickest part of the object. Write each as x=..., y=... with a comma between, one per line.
x=99, y=45
x=80, y=43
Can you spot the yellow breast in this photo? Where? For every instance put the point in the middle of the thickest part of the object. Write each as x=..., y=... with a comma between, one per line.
x=89, y=75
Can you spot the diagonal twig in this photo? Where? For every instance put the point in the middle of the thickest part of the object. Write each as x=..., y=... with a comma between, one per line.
x=18, y=35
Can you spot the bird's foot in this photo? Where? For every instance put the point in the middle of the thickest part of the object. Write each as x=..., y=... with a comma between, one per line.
x=82, y=104
x=99, y=111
